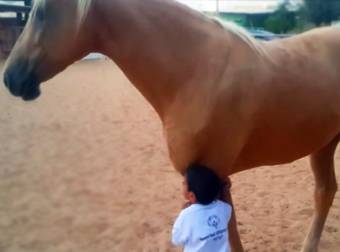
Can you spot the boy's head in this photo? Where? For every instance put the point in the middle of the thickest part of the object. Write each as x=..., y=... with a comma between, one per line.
x=201, y=184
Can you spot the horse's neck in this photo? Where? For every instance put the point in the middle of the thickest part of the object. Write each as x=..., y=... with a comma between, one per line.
x=157, y=43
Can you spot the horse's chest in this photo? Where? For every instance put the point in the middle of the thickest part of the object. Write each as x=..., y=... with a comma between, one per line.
x=217, y=144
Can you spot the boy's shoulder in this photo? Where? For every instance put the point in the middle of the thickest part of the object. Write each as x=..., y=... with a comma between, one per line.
x=199, y=207
x=190, y=209
x=224, y=204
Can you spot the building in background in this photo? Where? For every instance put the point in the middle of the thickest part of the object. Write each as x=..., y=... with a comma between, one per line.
x=248, y=13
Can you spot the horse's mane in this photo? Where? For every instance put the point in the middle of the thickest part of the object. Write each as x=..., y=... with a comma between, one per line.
x=242, y=34
x=83, y=10
x=83, y=7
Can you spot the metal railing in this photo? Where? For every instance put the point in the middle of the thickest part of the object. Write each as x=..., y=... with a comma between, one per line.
x=14, y=12
x=240, y=6
x=13, y=16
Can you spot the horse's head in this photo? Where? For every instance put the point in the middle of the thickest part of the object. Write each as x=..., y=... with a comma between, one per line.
x=53, y=38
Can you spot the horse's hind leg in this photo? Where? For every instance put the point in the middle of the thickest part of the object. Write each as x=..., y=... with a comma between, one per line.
x=322, y=163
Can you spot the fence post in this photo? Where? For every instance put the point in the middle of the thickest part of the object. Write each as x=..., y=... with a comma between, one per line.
x=26, y=15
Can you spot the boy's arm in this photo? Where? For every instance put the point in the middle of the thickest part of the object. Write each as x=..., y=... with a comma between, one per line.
x=179, y=234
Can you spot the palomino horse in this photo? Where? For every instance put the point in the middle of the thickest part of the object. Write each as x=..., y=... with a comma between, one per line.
x=225, y=100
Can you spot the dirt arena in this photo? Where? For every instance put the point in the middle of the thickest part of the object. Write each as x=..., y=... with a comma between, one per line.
x=85, y=168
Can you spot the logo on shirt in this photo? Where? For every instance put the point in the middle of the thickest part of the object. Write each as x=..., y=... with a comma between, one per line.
x=213, y=221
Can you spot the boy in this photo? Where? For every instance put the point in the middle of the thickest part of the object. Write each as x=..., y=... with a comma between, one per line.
x=202, y=225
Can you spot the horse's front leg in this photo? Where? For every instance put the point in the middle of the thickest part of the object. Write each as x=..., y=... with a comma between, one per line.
x=234, y=237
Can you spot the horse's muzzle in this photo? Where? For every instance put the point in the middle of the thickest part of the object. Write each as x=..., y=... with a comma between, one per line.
x=22, y=84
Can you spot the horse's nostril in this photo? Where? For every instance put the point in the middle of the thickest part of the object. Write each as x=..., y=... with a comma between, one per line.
x=13, y=86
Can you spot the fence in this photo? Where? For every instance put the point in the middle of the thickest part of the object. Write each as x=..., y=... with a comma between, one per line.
x=240, y=6
x=13, y=16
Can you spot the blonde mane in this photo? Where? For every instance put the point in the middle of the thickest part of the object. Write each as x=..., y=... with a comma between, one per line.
x=36, y=4
x=82, y=11
x=83, y=7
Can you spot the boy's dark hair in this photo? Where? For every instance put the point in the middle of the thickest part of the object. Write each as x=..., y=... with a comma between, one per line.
x=203, y=182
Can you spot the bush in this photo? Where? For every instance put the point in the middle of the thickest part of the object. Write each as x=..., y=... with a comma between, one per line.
x=281, y=21
x=322, y=12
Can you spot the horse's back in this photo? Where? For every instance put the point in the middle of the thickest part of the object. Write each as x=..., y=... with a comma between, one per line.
x=321, y=45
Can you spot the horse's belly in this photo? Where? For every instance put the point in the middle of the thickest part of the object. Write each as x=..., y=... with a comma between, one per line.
x=298, y=118
x=271, y=147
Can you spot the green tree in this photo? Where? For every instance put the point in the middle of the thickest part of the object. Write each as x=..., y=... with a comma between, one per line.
x=281, y=21
x=322, y=11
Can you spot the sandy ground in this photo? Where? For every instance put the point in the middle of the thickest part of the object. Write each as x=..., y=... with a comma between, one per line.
x=85, y=168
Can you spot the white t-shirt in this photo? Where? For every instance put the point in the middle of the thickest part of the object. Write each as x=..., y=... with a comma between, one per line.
x=203, y=228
